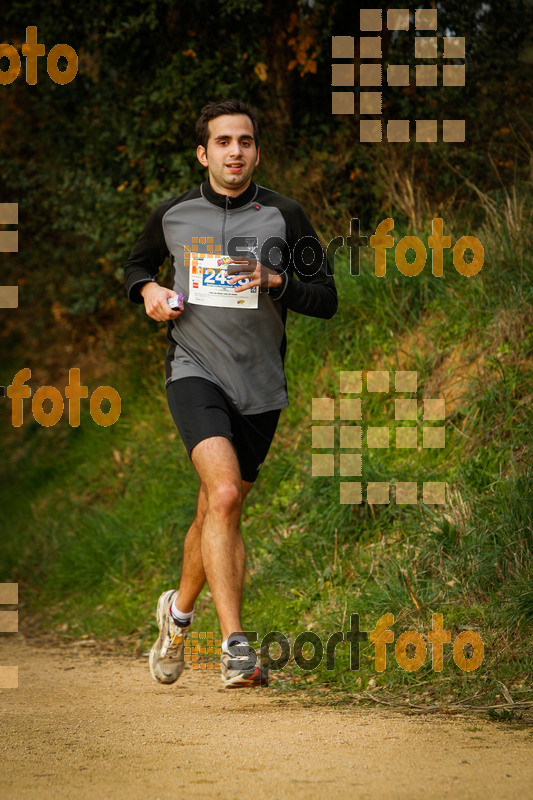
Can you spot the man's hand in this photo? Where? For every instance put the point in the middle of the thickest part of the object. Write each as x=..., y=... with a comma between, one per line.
x=262, y=276
x=156, y=302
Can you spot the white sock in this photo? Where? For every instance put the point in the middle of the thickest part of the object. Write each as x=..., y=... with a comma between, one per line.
x=181, y=616
x=237, y=638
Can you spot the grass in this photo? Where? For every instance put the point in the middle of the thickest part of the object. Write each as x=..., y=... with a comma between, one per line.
x=95, y=520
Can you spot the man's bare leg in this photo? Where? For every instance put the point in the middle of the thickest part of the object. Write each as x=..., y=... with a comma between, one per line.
x=214, y=549
x=192, y=577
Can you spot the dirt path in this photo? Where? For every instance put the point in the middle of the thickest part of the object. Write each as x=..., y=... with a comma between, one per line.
x=85, y=727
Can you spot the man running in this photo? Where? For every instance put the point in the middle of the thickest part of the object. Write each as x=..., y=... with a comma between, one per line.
x=242, y=255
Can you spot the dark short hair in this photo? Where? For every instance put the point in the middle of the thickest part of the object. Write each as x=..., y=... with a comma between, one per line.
x=217, y=109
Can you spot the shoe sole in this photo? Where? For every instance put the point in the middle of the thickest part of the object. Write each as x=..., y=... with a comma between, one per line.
x=239, y=682
x=159, y=617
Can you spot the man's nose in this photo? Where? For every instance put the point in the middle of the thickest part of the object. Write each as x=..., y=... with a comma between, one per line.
x=236, y=149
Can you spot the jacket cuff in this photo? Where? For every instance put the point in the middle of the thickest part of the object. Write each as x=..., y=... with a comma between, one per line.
x=134, y=290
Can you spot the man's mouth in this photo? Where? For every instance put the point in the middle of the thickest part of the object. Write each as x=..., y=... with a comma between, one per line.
x=235, y=166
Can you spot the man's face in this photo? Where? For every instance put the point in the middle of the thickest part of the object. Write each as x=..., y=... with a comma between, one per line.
x=231, y=154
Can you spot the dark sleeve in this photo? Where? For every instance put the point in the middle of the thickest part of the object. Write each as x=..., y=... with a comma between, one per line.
x=147, y=256
x=307, y=284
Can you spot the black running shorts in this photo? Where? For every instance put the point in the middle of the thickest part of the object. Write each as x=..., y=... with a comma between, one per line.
x=201, y=409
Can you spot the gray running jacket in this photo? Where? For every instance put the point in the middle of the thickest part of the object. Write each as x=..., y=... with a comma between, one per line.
x=239, y=349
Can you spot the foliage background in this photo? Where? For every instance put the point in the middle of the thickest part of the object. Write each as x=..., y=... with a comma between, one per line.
x=87, y=161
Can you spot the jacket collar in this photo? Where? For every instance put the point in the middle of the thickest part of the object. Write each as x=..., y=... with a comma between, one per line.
x=225, y=201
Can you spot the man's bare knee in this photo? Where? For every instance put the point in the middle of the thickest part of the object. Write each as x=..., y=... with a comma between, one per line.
x=225, y=498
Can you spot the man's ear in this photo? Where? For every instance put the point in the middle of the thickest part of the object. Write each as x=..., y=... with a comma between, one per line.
x=257, y=159
x=201, y=155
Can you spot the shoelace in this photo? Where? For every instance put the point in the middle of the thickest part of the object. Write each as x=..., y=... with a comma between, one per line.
x=170, y=648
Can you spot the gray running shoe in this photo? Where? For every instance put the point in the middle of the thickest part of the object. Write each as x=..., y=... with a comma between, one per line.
x=241, y=667
x=167, y=659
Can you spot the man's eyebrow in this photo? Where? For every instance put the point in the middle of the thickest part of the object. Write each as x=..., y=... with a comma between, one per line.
x=227, y=136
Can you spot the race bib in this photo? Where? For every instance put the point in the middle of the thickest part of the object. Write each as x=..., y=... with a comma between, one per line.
x=209, y=285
